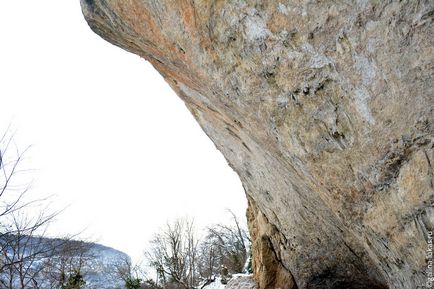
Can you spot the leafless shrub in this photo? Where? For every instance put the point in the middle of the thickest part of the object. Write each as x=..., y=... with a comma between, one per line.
x=173, y=254
x=225, y=249
x=27, y=259
x=180, y=260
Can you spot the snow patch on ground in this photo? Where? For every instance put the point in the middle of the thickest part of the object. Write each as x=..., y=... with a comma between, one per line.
x=238, y=281
x=217, y=284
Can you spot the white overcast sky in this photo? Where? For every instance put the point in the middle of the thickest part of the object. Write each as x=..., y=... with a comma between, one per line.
x=109, y=138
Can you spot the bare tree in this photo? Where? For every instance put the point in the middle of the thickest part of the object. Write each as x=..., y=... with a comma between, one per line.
x=209, y=260
x=68, y=259
x=225, y=247
x=124, y=269
x=19, y=250
x=173, y=254
x=132, y=274
x=25, y=255
x=23, y=250
x=33, y=261
x=181, y=261
x=12, y=188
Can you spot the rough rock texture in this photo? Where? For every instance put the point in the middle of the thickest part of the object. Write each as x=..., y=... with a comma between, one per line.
x=325, y=109
x=267, y=265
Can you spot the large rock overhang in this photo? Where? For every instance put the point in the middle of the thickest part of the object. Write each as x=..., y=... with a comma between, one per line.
x=325, y=110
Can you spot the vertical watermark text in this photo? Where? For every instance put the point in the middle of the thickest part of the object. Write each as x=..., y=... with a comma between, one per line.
x=429, y=258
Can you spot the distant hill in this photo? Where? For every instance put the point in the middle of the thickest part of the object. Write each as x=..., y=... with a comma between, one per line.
x=102, y=272
x=46, y=261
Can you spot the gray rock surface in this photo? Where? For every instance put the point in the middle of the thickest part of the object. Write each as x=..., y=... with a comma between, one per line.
x=325, y=110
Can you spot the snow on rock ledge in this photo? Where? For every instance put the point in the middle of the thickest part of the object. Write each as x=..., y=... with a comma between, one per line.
x=238, y=281
x=242, y=282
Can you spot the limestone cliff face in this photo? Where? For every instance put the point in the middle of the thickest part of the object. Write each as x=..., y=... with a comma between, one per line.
x=325, y=109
